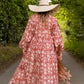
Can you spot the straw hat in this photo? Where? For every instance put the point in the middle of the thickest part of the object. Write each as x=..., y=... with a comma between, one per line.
x=44, y=6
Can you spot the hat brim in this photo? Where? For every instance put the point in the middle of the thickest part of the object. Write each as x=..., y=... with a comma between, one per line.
x=35, y=8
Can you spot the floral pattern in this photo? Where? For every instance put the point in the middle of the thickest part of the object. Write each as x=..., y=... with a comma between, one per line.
x=39, y=62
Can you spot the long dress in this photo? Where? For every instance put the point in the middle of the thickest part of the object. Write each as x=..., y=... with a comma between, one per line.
x=39, y=63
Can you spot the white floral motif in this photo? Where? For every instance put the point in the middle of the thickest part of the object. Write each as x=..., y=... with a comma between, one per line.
x=38, y=63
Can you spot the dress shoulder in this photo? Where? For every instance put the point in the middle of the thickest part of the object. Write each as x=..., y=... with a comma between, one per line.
x=34, y=17
x=53, y=19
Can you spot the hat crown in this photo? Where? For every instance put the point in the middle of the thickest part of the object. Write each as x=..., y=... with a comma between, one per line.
x=44, y=2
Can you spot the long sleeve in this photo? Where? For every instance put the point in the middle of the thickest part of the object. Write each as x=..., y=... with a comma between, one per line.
x=58, y=39
x=27, y=35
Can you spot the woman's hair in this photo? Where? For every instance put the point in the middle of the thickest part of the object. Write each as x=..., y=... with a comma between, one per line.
x=43, y=16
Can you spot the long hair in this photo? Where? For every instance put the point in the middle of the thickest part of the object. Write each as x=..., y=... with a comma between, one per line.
x=43, y=16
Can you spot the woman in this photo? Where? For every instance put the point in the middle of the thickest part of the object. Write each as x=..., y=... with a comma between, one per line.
x=42, y=45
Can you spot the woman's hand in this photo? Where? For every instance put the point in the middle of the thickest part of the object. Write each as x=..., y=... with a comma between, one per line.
x=59, y=52
x=59, y=57
x=24, y=53
x=26, y=48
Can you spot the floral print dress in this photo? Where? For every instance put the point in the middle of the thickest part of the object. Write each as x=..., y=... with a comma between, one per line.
x=39, y=62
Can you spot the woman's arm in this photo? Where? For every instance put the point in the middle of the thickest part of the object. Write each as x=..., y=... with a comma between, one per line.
x=27, y=35
x=58, y=40
x=59, y=53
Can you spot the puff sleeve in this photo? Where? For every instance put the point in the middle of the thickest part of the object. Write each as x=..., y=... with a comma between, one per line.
x=28, y=34
x=57, y=37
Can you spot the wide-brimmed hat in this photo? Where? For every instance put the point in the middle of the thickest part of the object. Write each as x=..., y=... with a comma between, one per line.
x=44, y=6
